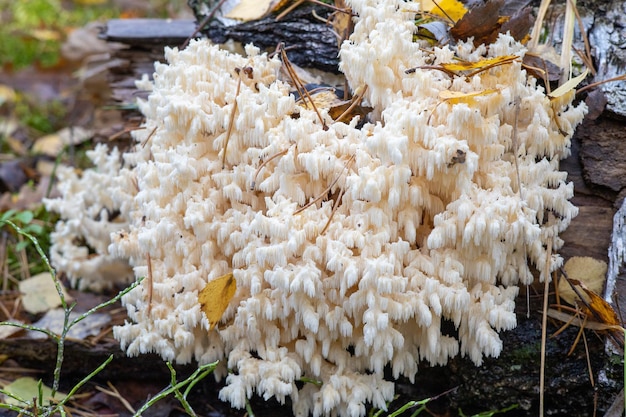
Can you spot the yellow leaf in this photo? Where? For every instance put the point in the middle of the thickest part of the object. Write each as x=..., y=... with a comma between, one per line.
x=585, y=269
x=248, y=10
x=325, y=99
x=453, y=9
x=7, y=94
x=456, y=97
x=39, y=293
x=45, y=35
x=601, y=309
x=568, y=86
x=464, y=66
x=27, y=388
x=215, y=297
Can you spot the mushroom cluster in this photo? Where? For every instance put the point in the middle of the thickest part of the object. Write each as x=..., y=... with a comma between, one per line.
x=89, y=215
x=351, y=246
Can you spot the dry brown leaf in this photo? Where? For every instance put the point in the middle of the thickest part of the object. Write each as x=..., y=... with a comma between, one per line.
x=487, y=20
x=341, y=22
x=541, y=68
x=575, y=320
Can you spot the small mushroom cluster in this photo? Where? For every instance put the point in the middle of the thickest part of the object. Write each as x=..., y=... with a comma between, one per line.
x=89, y=217
x=351, y=246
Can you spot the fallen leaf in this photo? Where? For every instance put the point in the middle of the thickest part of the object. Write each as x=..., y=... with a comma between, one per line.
x=435, y=32
x=587, y=270
x=27, y=388
x=341, y=22
x=54, y=143
x=520, y=21
x=482, y=22
x=541, y=68
x=54, y=320
x=325, y=98
x=449, y=9
x=39, y=293
x=215, y=297
x=575, y=320
x=483, y=63
x=7, y=94
x=601, y=309
x=45, y=35
x=570, y=85
x=248, y=10
x=587, y=275
x=455, y=97
x=28, y=198
x=486, y=21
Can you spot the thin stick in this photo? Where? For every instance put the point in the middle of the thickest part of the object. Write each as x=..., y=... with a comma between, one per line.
x=338, y=201
x=123, y=131
x=203, y=23
x=444, y=12
x=356, y=100
x=597, y=83
x=149, y=282
x=113, y=392
x=593, y=384
x=335, y=207
x=281, y=153
x=323, y=193
x=568, y=40
x=515, y=145
x=581, y=27
x=145, y=141
x=544, y=327
x=541, y=15
x=289, y=9
x=319, y=3
x=298, y=84
x=231, y=122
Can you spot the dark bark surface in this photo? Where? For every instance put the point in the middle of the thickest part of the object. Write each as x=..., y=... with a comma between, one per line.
x=308, y=41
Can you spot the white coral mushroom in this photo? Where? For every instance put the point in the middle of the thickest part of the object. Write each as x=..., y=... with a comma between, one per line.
x=90, y=215
x=430, y=223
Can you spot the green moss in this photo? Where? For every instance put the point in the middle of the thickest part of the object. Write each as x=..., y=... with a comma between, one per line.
x=526, y=353
x=32, y=31
x=44, y=118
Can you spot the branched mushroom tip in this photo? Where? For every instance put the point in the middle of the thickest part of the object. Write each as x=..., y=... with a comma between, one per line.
x=354, y=244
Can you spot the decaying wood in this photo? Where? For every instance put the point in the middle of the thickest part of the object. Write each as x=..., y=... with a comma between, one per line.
x=309, y=42
x=149, y=32
x=603, y=152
